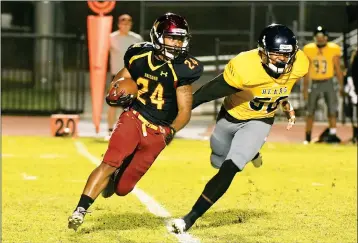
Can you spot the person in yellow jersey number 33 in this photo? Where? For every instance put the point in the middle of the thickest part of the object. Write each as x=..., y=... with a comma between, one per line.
x=324, y=59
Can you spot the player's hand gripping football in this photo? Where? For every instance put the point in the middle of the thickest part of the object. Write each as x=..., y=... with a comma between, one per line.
x=117, y=97
x=290, y=114
x=168, y=137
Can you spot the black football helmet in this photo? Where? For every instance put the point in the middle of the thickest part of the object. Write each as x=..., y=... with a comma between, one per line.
x=278, y=38
x=320, y=36
x=320, y=29
x=174, y=25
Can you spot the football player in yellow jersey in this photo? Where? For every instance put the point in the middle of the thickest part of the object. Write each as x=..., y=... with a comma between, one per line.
x=324, y=59
x=254, y=83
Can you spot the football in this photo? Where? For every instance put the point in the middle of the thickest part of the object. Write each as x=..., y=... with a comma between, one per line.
x=126, y=85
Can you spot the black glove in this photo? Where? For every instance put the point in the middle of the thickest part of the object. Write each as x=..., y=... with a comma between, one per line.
x=119, y=99
x=123, y=101
x=169, y=137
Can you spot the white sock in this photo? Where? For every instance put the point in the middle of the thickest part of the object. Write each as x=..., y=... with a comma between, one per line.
x=332, y=131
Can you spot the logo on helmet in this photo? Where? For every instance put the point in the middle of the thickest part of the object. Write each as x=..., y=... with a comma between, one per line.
x=263, y=40
x=286, y=48
x=179, y=31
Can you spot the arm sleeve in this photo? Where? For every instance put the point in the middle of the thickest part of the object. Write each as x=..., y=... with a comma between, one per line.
x=215, y=89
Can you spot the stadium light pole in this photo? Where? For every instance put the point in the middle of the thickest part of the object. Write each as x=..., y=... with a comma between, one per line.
x=44, y=27
x=301, y=20
x=252, y=24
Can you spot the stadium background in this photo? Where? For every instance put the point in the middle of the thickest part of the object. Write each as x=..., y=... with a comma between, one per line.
x=52, y=74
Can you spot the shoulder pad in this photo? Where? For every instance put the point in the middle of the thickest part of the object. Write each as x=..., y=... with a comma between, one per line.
x=140, y=46
x=333, y=45
x=244, y=63
x=137, y=49
x=189, y=70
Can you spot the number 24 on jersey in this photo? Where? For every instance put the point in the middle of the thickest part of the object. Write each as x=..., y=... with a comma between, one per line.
x=157, y=95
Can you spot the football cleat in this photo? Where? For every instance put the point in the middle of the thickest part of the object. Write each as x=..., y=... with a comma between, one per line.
x=111, y=186
x=76, y=219
x=332, y=138
x=178, y=226
x=257, y=161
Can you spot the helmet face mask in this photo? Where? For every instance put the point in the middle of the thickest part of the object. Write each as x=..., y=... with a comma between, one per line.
x=278, y=47
x=173, y=28
x=276, y=64
x=174, y=51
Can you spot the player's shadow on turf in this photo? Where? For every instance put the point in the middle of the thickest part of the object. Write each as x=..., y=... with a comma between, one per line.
x=231, y=216
x=124, y=221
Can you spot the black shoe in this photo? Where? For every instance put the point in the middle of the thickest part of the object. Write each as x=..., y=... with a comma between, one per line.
x=323, y=137
x=111, y=186
x=332, y=138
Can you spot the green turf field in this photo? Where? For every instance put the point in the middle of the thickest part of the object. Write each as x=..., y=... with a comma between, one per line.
x=300, y=194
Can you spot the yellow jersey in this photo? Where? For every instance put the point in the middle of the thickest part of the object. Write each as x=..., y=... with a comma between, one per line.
x=261, y=94
x=322, y=60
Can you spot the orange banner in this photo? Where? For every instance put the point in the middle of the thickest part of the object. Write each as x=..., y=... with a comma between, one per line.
x=99, y=29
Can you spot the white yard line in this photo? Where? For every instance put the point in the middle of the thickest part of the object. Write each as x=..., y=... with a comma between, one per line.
x=28, y=177
x=81, y=149
x=153, y=206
